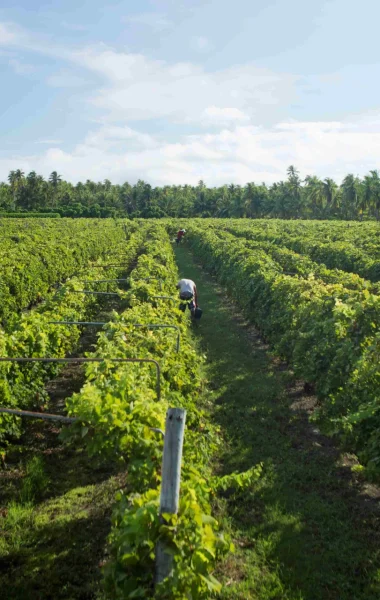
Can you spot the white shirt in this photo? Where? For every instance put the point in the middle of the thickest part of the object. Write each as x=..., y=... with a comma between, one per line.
x=186, y=285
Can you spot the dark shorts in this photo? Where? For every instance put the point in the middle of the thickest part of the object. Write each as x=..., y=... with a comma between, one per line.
x=186, y=296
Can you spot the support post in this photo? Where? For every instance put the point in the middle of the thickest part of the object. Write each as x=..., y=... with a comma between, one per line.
x=170, y=484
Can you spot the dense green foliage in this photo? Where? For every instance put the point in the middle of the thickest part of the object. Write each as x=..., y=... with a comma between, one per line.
x=311, y=289
x=327, y=329
x=36, y=255
x=311, y=198
x=309, y=528
x=353, y=247
x=118, y=407
x=32, y=334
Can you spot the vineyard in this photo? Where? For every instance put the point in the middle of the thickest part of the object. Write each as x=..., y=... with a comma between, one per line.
x=279, y=380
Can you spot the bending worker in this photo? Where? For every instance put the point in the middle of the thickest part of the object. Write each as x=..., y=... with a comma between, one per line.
x=180, y=235
x=188, y=290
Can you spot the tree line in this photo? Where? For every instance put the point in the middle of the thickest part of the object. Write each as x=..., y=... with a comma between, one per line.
x=311, y=198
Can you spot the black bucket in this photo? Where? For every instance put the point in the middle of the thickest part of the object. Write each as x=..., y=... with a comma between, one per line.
x=197, y=313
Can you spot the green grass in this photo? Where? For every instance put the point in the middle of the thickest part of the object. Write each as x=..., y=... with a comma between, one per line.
x=56, y=520
x=306, y=531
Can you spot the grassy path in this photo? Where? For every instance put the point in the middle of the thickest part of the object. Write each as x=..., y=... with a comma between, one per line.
x=308, y=531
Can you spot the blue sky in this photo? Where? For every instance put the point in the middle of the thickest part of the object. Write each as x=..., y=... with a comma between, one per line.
x=173, y=92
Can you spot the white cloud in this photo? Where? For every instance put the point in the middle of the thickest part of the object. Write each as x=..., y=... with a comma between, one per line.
x=136, y=87
x=215, y=115
x=149, y=19
x=108, y=137
x=244, y=153
x=312, y=127
x=49, y=142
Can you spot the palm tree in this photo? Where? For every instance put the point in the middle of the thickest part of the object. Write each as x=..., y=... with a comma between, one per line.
x=314, y=194
x=12, y=183
x=238, y=203
x=16, y=180
x=223, y=202
x=55, y=179
x=351, y=196
x=253, y=200
x=372, y=192
x=329, y=191
x=294, y=188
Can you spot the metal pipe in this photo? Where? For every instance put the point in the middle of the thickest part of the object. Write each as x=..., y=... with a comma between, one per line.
x=38, y=415
x=95, y=323
x=103, y=280
x=104, y=266
x=88, y=360
x=50, y=417
x=94, y=293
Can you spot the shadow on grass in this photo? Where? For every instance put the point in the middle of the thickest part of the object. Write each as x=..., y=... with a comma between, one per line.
x=307, y=530
x=54, y=550
x=57, y=560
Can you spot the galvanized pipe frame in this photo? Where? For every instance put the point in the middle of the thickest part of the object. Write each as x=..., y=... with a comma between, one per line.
x=91, y=360
x=103, y=281
x=51, y=417
x=37, y=415
x=84, y=323
x=91, y=292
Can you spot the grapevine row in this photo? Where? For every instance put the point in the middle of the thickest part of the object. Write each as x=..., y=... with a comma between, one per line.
x=118, y=408
x=36, y=255
x=340, y=254
x=292, y=263
x=34, y=335
x=365, y=235
x=330, y=334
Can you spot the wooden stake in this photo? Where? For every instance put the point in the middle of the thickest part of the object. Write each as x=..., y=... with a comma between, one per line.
x=170, y=484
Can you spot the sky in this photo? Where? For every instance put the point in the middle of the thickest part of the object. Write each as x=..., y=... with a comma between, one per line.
x=173, y=92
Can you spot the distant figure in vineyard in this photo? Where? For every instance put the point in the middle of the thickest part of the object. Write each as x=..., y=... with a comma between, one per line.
x=180, y=235
x=188, y=291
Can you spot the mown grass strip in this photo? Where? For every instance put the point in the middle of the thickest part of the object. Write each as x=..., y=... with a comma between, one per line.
x=306, y=531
